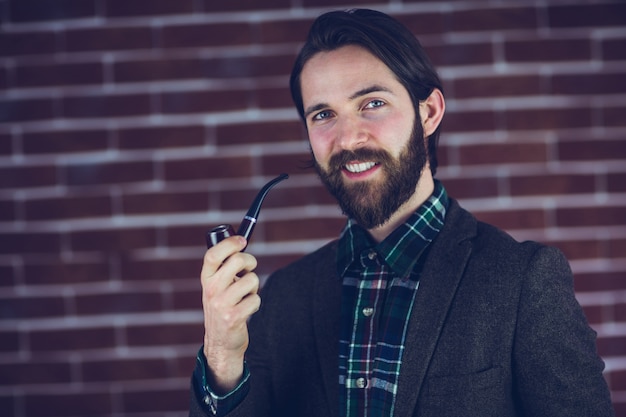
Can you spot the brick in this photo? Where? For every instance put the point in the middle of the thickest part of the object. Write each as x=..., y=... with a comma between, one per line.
x=479, y=20
x=333, y=3
x=10, y=341
x=120, y=8
x=199, y=35
x=4, y=82
x=164, y=202
x=68, y=208
x=591, y=216
x=242, y=5
x=59, y=74
x=581, y=249
x=503, y=153
x=612, y=346
x=469, y=121
x=618, y=382
x=7, y=211
x=523, y=219
x=106, y=106
x=616, y=182
x=424, y=23
x=617, y=248
x=272, y=98
x=124, y=370
x=24, y=177
x=29, y=243
x=548, y=118
x=597, y=149
x=112, y=240
x=279, y=197
x=543, y=183
x=118, y=302
x=592, y=84
x=190, y=236
x=587, y=15
x=250, y=133
x=548, y=50
x=206, y=168
x=173, y=270
x=35, y=372
x=155, y=402
x=109, y=173
x=45, y=272
x=23, y=110
x=32, y=307
x=187, y=300
x=461, y=54
x=46, y=10
x=165, y=334
x=249, y=66
x=316, y=228
x=57, y=340
x=27, y=43
x=280, y=31
x=204, y=101
x=69, y=404
x=472, y=187
x=516, y=85
x=8, y=405
x=294, y=164
x=158, y=69
x=613, y=116
x=614, y=49
x=64, y=141
x=599, y=281
x=108, y=39
x=161, y=137
x=6, y=144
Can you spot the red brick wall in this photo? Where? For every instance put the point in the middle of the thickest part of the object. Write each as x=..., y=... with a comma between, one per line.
x=128, y=128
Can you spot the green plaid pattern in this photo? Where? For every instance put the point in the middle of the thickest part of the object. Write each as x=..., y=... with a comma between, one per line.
x=379, y=286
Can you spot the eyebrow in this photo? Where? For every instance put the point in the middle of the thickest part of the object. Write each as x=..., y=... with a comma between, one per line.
x=360, y=93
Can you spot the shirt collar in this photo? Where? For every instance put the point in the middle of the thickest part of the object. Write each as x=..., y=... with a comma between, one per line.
x=402, y=248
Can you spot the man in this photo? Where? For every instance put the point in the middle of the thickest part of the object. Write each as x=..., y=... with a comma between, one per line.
x=417, y=309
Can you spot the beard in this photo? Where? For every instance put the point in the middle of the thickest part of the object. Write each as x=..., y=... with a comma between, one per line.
x=372, y=203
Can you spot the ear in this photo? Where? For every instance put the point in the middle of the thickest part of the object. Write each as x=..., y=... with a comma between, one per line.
x=431, y=112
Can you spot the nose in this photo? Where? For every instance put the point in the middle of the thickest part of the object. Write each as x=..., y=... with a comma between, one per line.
x=351, y=133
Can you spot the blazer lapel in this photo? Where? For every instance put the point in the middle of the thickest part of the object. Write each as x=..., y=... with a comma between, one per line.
x=327, y=310
x=441, y=275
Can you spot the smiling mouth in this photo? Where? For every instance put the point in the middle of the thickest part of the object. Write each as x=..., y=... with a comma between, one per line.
x=357, y=168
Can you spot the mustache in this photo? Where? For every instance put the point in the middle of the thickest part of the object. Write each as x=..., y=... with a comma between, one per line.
x=340, y=159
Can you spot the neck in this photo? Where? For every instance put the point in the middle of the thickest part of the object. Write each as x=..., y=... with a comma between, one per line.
x=423, y=190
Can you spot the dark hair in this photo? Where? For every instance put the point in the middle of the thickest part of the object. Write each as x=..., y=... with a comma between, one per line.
x=385, y=38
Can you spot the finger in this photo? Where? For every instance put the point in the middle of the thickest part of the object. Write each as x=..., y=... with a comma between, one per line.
x=216, y=255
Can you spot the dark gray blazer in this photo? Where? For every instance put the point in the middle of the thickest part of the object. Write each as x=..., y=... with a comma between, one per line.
x=496, y=331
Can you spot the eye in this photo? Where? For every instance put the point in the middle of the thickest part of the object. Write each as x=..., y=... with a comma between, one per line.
x=374, y=104
x=325, y=114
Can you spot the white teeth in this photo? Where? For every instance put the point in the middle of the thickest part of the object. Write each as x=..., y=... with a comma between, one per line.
x=363, y=166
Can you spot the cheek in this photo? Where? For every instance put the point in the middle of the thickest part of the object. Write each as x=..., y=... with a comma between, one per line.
x=321, y=145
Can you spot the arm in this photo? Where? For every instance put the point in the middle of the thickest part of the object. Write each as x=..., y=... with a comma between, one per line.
x=557, y=369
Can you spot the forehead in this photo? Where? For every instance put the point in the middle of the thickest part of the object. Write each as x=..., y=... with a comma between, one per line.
x=344, y=69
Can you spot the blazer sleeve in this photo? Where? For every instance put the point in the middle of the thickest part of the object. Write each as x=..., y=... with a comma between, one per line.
x=558, y=371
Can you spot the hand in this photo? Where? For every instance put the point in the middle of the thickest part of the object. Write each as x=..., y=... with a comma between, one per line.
x=229, y=298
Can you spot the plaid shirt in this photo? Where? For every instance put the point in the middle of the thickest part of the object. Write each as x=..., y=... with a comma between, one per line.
x=379, y=286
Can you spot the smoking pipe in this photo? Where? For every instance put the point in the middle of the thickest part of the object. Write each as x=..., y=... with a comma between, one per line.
x=246, y=227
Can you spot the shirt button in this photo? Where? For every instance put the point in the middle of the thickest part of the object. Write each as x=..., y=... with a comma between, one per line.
x=371, y=255
x=361, y=383
x=368, y=311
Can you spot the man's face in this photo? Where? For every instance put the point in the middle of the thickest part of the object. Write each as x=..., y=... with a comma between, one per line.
x=367, y=143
